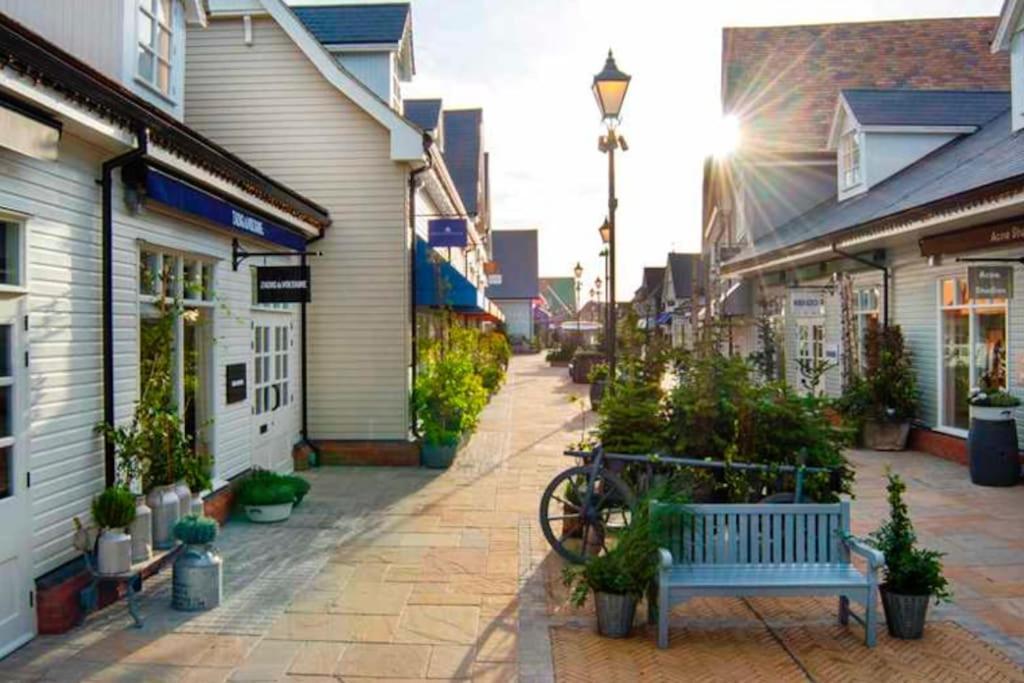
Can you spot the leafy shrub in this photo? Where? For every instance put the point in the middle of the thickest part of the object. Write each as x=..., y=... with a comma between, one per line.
x=195, y=530
x=598, y=373
x=993, y=398
x=631, y=418
x=299, y=486
x=561, y=354
x=262, y=490
x=449, y=393
x=909, y=570
x=114, y=508
x=198, y=470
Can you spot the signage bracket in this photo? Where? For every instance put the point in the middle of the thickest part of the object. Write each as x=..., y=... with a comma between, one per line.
x=238, y=254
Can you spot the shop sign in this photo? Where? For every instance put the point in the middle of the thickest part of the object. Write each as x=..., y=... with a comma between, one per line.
x=990, y=282
x=807, y=304
x=981, y=237
x=235, y=382
x=447, y=232
x=494, y=279
x=282, y=284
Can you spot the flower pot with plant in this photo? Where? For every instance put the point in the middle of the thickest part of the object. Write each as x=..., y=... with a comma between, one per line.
x=992, y=440
x=913, y=575
x=266, y=499
x=198, y=582
x=113, y=511
x=198, y=477
x=598, y=379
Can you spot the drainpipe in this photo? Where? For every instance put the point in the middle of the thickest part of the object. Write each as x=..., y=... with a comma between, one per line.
x=413, y=175
x=885, y=279
x=303, y=362
x=108, y=290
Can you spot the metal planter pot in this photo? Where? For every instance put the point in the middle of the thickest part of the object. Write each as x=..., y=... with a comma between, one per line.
x=166, y=507
x=198, y=582
x=905, y=614
x=437, y=457
x=615, y=614
x=879, y=435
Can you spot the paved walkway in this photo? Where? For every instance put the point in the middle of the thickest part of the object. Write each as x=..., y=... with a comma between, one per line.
x=412, y=574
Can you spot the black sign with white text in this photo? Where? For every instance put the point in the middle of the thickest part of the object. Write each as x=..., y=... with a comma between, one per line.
x=282, y=285
x=235, y=382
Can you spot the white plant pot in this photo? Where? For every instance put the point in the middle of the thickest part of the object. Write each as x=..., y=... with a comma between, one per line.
x=141, y=531
x=166, y=512
x=268, y=513
x=993, y=413
x=184, y=494
x=196, y=504
x=113, y=552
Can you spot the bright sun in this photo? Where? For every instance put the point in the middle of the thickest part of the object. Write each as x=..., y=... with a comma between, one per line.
x=727, y=137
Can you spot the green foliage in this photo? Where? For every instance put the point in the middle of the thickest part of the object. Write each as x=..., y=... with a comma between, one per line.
x=993, y=398
x=631, y=419
x=300, y=486
x=888, y=389
x=766, y=360
x=198, y=471
x=564, y=352
x=449, y=393
x=598, y=373
x=909, y=570
x=196, y=530
x=114, y=508
x=264, y=490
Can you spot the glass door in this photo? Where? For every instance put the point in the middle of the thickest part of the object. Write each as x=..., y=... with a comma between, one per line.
x=17, y=615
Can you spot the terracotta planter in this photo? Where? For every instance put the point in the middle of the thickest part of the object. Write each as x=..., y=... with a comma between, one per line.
x=885, y=435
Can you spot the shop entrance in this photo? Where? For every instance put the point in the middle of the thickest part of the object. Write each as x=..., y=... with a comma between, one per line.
x=17, y=614
x=273, y=404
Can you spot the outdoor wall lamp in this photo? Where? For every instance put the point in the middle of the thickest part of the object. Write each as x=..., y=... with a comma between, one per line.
x=605, y=231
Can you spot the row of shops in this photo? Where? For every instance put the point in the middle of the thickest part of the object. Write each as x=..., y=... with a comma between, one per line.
x=920, y=226
x=243, y=160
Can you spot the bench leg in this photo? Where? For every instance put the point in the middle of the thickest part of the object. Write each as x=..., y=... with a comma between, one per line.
x=871, y=616
x=844, y=610
x=663, y=613
x=652, y=604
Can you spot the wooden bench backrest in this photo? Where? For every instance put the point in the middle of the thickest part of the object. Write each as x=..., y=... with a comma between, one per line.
x=754, y=534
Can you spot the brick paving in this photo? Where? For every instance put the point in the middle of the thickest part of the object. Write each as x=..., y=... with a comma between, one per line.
x=410, y=574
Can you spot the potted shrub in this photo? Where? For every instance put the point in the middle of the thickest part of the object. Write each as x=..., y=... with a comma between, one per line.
x=113, y=511
x=888, y=392
x=198, y=478
x=992, y=440
x=619, y=577
x=198, y=581
x=266, y=499
x=560, y=357
x=598, y=379
x=913, y=576
x=582, y=362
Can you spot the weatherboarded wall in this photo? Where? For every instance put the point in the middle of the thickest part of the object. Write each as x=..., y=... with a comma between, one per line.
x=267, y=103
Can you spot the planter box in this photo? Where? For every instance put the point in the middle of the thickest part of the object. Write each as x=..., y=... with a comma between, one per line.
x=993, y=413
x=885, y=436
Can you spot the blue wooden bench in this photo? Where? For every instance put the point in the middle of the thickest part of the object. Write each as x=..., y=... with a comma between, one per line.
x=763, y=550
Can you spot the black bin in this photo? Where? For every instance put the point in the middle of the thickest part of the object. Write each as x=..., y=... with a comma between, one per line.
x=992, y=450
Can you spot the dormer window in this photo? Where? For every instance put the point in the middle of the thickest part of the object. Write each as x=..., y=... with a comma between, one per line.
x=154, y=48
x=849, y=159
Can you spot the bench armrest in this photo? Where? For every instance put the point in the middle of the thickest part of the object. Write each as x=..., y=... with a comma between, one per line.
x=665, y=558
x=875, y=558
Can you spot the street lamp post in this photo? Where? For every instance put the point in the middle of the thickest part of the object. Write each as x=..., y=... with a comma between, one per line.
x=610, y=88
x=578, y=271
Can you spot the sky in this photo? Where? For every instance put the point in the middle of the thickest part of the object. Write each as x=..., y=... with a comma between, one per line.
x=530, y=63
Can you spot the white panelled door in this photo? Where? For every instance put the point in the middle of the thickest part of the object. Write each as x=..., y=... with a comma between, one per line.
x=273, y=390
x=17, y=612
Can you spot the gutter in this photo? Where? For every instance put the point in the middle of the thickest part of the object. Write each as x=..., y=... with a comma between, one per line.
x=428, y=142
x=142, y=142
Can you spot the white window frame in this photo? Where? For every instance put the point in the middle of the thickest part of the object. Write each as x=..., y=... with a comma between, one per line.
x=147, y=8
x=20, y=285
x=851, y=159
x=811, y=349
x=972, y=307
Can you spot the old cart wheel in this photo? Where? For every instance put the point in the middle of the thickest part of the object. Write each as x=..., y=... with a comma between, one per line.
x=576, y=528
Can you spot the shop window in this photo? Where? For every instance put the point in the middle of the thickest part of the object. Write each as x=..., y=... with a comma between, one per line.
x=866, y=305
x=974, y=338
x=180, y=276
x=10, y=253
x=810, y=354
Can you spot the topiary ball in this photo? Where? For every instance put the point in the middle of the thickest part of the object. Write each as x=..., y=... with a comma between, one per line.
x=196, y=530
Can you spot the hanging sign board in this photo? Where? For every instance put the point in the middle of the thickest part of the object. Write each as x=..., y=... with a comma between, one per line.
x=805, y=304
x=282, y=284
x=494, y=279
x=990, y=282
x=447, y=232
x=235, y=382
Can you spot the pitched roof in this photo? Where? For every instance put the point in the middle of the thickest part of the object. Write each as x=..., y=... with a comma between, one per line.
x=682, y=267
x=424, y=113
x=874, y=107
x=783, y=82
x=559, y=294
x=516, y=254
x=463, y=141
x=971, y=162
x=654, y=278
x=355, y=24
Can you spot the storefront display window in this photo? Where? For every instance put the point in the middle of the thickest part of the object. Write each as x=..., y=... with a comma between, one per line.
x=866, y=316
x=974, y=338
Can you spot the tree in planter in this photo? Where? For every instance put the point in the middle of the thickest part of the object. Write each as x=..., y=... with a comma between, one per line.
x=913, y=575
x=631, y=417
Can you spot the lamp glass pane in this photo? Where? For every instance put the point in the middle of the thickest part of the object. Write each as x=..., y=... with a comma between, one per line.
x=610, y=95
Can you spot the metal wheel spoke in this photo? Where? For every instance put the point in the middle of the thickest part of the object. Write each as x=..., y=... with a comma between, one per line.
x=560, y=517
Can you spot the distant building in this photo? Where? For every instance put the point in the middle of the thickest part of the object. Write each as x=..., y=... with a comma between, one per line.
x=515, y=252
x=679, y=294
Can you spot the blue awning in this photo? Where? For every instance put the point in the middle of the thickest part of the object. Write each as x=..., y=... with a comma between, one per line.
x=440, y=284
x=663, y=318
